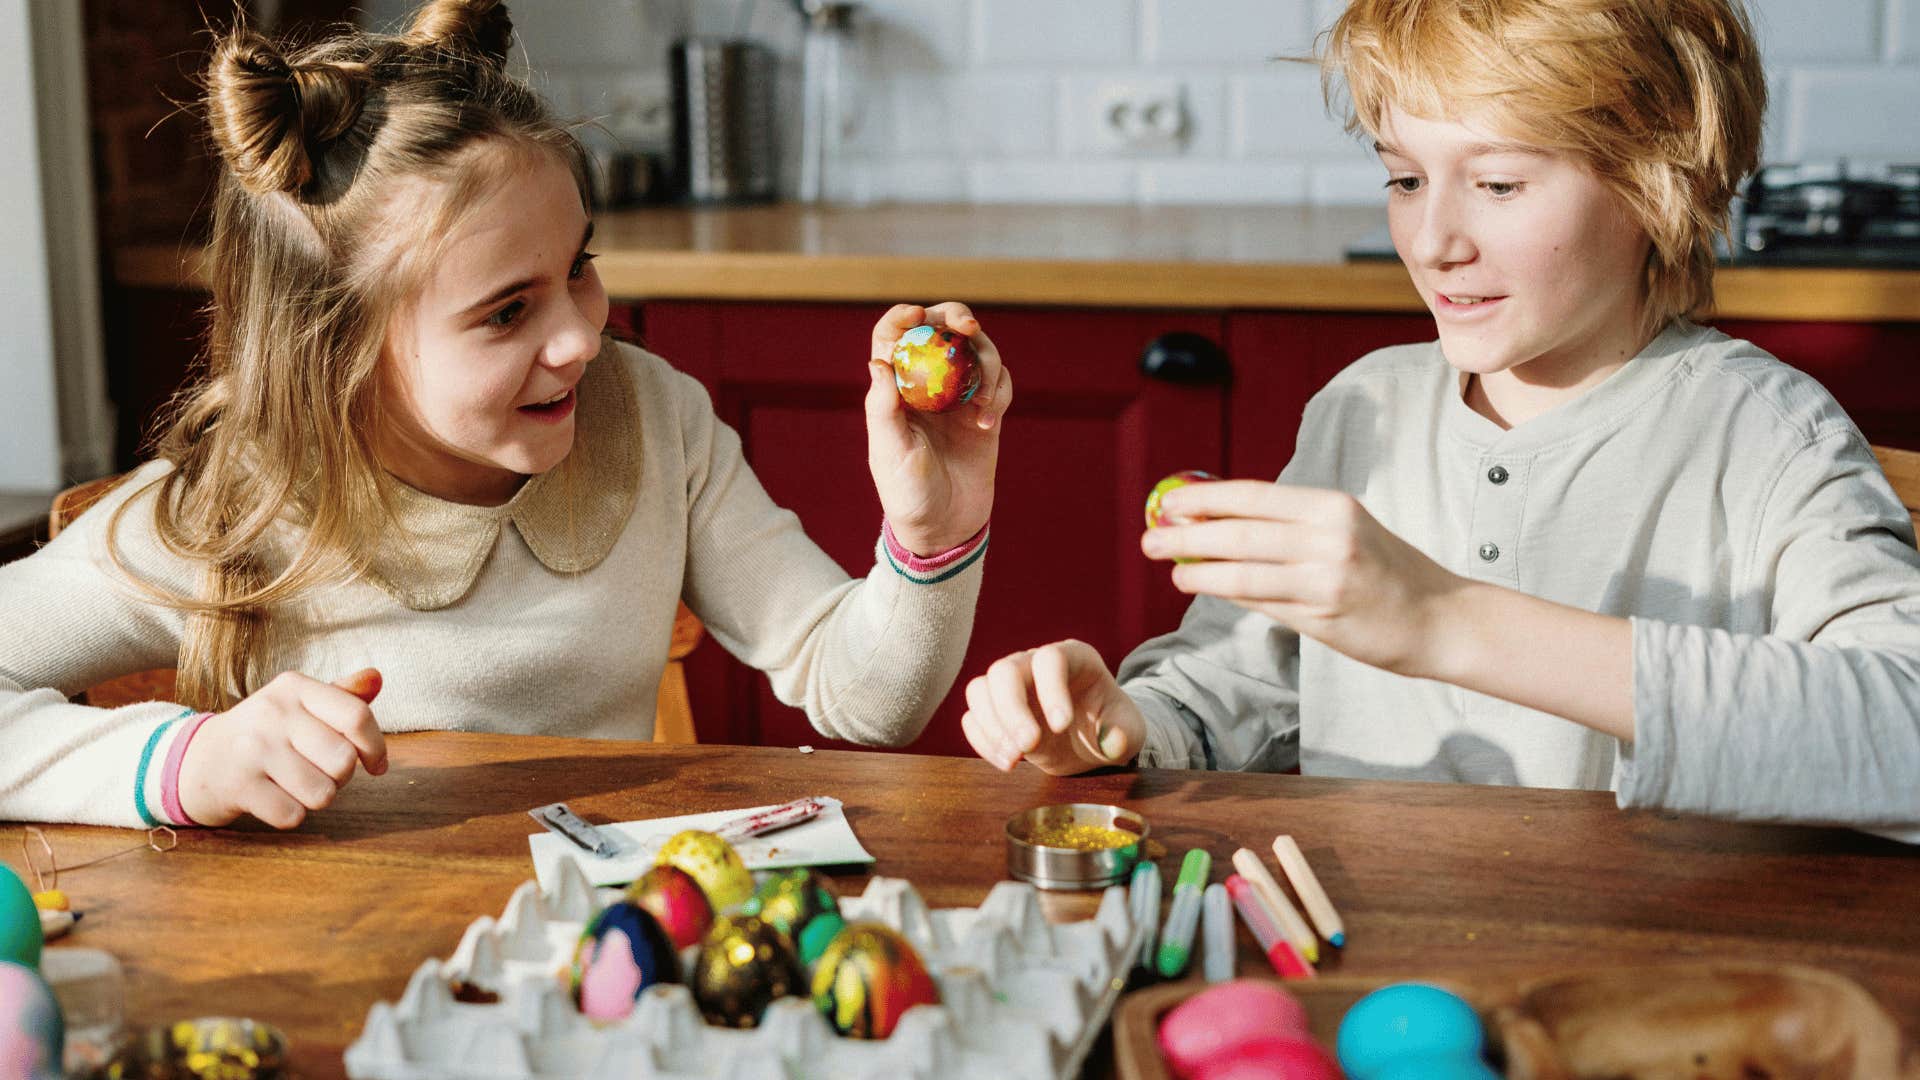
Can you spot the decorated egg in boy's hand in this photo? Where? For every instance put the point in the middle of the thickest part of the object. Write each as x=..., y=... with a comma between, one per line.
x=1413, y=1030
x=1156, y=516
x=935, y=369
x=868, y=978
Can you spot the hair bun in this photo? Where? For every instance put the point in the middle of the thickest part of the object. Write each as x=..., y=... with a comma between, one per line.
x=270, y=117
x=479, y=28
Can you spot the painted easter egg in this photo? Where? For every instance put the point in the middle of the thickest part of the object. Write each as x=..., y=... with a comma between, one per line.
x=32, y=1031
x=818, y=934
x=868, y=978
x=676, y=901
x=745, y=963
x=622, y=951
x=1413, y=1030
x=1155, y=516
x=935, y=370
x=713, y=863
x=20, y=935
x=792, y=900
x=1213, y=1024
x=1297, y=1058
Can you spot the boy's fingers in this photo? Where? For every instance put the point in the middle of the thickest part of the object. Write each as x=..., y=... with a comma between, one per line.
x=899, y=319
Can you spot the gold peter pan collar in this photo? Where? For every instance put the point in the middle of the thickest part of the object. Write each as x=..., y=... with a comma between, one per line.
x=570, y=516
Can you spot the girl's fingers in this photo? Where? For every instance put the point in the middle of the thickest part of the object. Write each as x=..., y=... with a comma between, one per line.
x=986, y=742
x=1052, y=685
x=269, y=802
x=323, y=747
x=349, y=715
x=991, y=741
x=299, y=778
x=1010, y=683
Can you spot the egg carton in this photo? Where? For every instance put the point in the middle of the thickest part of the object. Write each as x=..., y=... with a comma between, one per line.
x=1020, y=998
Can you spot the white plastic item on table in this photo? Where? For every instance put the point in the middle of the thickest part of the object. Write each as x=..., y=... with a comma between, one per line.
x=1020, y=998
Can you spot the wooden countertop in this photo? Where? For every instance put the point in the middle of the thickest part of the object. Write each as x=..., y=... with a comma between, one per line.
x=308, y=929
x=1286, y=258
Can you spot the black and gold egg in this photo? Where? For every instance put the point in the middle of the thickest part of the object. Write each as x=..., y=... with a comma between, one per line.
x=745, y=962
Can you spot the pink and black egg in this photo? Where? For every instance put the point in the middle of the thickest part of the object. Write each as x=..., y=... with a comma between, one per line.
x=622, y=952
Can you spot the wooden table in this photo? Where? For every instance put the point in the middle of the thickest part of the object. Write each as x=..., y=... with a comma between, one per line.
x=309, y=929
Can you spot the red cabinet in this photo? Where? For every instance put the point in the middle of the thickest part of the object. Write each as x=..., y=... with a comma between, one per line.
x=1087, y=438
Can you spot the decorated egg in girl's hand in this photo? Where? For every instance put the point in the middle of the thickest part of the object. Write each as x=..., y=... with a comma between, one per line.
x=713, y=863
x=868, y=978
x=622, y=952
x=1157, y=517
x=934, y=369
x=744, y=964
x=676, y=901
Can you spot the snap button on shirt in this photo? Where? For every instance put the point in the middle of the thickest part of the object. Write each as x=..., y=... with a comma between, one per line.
x=1497, y=474
x=1489, y=552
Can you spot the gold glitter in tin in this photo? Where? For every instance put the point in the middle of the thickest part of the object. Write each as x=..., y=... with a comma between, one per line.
x=1081, y=837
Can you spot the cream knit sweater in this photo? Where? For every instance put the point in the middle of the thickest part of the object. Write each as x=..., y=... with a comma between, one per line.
x=548, y=615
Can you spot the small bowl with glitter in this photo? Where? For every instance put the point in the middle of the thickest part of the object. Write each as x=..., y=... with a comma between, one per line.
x=1075, y=845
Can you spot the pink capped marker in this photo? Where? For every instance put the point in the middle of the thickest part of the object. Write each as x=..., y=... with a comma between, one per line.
x=1286, y=960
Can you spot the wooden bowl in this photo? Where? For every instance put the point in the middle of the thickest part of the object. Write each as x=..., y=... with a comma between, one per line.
x=1696, y=1021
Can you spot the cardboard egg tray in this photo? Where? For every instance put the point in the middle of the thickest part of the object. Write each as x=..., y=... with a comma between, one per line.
x=1020, y=998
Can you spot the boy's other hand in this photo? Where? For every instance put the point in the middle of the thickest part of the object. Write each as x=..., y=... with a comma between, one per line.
x=1315, y=561
x=1056, y=706
x=934, y=471
x=287, y=749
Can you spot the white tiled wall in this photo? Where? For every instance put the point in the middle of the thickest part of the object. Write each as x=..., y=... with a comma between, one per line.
x=1000, y=100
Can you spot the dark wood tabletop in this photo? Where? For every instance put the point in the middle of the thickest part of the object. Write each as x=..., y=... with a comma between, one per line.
x=309, y=929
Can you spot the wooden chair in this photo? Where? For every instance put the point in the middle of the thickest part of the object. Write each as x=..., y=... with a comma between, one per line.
x=1903, y=472
x=673, y=711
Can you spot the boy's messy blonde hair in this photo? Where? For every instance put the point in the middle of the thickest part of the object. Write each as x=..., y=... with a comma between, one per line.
x=344, y=166
x=1661, y=98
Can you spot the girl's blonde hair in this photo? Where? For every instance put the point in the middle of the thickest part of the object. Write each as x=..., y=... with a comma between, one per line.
x=1662, y=98
x=343, y=163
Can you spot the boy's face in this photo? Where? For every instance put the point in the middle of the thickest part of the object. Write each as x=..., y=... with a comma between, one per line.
x=478, y=373
x=1528, y=263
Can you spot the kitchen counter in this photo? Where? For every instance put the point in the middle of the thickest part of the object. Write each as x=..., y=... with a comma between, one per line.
x=1281, y=258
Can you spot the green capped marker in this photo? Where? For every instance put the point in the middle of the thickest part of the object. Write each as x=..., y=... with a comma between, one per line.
x=1176, y=941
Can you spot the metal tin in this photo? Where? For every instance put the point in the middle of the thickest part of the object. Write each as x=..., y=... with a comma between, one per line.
x=1073, y=868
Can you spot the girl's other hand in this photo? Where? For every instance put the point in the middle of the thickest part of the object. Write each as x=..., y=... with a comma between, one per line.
x=1056, y=706
x=287, y=749
x=934, y=471
x=1315, y=561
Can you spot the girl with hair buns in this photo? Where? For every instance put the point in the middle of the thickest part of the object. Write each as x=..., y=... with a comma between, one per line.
x=1579, y=541
x=419, y=468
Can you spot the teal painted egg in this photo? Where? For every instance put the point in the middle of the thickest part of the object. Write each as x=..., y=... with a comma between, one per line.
x=20, y=936
x=676, y=901
x=818, y=935
x=792, y=900
x=32, y=1031
x=622, y=952
x=713, y=863
x=745, y=963
x=1413, y=1030
x=935, y=370
x=868, y=978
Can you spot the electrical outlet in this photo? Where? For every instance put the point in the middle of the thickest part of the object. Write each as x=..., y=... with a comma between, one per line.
x=639, y=110
x=1139, y=116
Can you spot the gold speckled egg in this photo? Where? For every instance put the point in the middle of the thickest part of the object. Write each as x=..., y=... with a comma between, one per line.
x=713, y=863
x=744, y=964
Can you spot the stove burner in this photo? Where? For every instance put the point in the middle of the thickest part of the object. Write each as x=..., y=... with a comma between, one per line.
x=1808, y=213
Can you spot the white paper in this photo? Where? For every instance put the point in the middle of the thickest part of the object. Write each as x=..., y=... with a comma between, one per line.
x=825, y=840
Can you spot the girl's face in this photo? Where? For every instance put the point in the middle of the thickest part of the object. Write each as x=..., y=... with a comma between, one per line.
x=478, y=373
x=1530, y=265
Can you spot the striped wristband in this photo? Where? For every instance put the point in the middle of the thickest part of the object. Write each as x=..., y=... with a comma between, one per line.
x=932, y=569
x=170, y=776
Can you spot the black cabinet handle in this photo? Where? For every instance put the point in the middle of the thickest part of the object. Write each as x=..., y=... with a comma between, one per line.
x=1186, y=358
